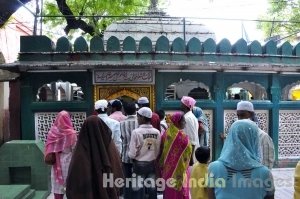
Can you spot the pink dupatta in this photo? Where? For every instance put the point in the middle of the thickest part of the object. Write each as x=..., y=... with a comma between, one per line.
x=61, y=136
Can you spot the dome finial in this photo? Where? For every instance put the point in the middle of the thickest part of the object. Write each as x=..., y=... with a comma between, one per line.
x=153, y=5
x=153, y=9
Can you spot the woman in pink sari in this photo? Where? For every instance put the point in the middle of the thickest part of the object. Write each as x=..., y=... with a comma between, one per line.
x=61, y=141
x=175, y=158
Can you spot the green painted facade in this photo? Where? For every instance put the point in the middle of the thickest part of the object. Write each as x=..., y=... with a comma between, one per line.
x=31, y=82
x=217, y=65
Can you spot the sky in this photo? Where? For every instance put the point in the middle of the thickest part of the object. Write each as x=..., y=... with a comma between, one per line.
x=219, y=9
x=222, y=9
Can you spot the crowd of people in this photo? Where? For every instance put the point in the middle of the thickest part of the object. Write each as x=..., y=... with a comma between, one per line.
x=128, y=150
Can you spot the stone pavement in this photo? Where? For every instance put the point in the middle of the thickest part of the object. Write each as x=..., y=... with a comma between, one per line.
x=283, y=179
x=284, y=183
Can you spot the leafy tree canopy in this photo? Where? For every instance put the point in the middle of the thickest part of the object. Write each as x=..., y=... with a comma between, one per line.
x=282, y=19
x=95, y=24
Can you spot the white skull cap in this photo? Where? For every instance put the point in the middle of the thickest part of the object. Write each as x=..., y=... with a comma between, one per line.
x=143, y=100
x=145, y=111
x=101, y=104
x=245, y=106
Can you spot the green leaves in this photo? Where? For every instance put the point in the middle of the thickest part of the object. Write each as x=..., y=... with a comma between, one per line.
x=94, y=9
x=282, y=18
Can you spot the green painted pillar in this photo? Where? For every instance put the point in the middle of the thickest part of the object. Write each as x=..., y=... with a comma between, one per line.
x=218, y=121
x=27, y=117
x=274, y=113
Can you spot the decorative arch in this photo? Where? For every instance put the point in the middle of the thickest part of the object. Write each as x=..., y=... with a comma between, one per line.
x=197, y=90
x=291, y=91
x=109, y=92
x=247, y=91
x=124, y=92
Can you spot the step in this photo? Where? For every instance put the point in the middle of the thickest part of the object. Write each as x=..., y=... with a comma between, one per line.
x=14, y=191
x=30, y=194
x=41, y=194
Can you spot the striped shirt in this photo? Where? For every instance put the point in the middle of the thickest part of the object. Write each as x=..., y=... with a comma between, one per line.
x=127, y=126
x=267, y=149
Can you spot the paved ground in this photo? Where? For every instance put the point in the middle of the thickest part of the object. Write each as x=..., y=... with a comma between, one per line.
x=284, y=183
x=283, y=179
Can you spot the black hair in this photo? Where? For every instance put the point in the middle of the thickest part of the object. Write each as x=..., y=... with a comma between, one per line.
x=129, y=108
x=237, y=96
x=99, y=111
x=117, y=104
x=146, y=119
x=160, y=113
x=202, y=154
x=144, y=105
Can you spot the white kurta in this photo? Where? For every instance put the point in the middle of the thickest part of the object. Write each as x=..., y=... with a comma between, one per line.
x=191, y=129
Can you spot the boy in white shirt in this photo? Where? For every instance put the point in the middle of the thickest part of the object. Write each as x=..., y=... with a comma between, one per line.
x=143, y=149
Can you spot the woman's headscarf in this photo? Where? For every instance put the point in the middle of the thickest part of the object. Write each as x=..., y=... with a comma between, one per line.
x=200, y=115
x=241, y=148
x=176, y=118
x=94, y=156
x=61, y=136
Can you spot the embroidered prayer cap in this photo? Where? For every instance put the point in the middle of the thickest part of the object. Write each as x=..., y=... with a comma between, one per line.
x=245, y=106
x=188, y=101
x=101, y=104
x=143, y=100
x=145, y=111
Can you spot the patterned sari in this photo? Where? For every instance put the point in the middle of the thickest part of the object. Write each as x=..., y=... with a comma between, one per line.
x=174, y=162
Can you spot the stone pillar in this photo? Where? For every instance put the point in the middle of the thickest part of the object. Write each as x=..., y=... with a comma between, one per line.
x=219, y=93
x=5, y=121
x=274, y=114
x=4, y=113
x=2, y=60
x=14, y=110
x=1, y=113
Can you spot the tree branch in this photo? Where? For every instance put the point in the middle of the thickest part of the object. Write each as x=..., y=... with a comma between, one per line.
x=72, y=22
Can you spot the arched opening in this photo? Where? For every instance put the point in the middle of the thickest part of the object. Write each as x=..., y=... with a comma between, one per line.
x=246, y=91
x=291, y=92
x=197, y=90
x=59, y=91
x=198, y=93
